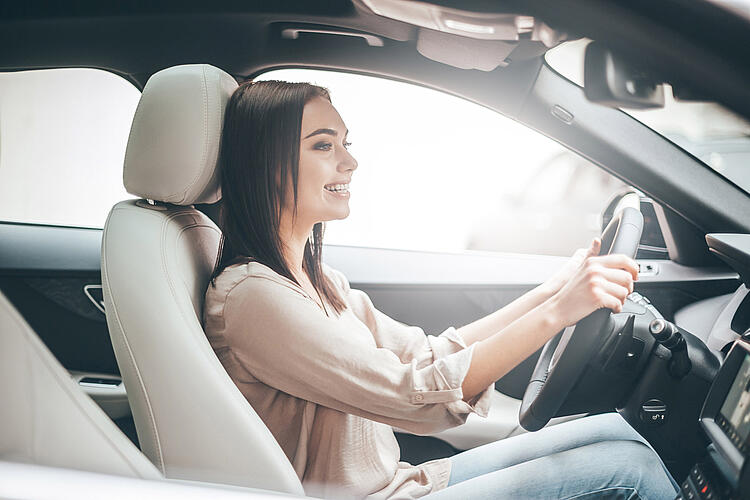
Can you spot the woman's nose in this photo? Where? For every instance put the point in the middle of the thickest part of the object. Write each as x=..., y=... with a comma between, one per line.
x=348, y=162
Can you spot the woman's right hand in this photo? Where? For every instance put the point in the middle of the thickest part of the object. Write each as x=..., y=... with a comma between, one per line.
x=600, y=281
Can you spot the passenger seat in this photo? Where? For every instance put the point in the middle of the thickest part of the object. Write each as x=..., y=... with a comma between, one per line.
x=45, y=419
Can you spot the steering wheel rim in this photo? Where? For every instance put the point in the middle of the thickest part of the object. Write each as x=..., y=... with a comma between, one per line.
x=564, y=357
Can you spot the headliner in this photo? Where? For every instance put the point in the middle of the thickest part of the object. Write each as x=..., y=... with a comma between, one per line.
x=136, y=39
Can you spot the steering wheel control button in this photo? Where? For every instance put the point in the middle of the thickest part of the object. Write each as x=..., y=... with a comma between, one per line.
x=653, y=412
x=633, y=307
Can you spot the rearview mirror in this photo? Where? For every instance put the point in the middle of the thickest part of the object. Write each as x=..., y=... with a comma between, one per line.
x=612, y=81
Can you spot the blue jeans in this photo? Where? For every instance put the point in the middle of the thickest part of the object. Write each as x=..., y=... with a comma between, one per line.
x=594, y=457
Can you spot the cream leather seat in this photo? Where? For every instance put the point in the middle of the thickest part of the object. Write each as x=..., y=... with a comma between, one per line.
x=157, y=257
x=45, y=419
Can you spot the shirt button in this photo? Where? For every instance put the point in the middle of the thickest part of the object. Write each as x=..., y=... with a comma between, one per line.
x=419, y=397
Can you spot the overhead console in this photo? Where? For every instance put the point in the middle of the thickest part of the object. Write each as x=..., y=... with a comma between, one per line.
x=468, y=39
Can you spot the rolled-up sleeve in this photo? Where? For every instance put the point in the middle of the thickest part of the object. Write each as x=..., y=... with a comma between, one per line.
x=411, y=343
x=281, y=338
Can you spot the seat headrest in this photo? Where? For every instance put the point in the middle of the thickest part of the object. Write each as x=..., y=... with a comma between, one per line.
x=174, y=140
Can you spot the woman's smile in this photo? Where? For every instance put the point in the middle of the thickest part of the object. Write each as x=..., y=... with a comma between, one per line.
x=338, y=190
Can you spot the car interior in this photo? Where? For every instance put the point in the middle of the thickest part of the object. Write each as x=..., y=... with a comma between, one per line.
x=114, y=312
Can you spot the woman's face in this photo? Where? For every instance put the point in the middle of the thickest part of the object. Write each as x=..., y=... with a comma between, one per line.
x=325, y=165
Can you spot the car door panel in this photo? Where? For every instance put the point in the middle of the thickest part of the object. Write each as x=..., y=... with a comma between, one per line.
x=51, y=274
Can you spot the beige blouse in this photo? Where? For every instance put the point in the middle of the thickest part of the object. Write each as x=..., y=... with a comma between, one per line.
x=330, y=387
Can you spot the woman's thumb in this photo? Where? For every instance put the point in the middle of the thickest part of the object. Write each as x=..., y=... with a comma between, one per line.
x=596, y=245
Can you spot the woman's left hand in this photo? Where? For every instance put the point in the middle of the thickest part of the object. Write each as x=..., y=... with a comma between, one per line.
x=563, y=275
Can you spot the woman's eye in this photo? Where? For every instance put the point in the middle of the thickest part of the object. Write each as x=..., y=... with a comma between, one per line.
x=324, y=146
x=347, y=144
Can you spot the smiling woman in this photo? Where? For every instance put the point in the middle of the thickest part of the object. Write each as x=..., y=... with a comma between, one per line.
x=260, y=184
x=330, y=375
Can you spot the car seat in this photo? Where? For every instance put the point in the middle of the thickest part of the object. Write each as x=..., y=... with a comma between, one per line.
x=158, y=254
x=46, y=419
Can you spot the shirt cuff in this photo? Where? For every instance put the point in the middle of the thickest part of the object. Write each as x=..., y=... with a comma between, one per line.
x=447, y=343
x=443, y=384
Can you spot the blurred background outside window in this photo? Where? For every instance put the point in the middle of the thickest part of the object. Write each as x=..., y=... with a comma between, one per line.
x=437, y=172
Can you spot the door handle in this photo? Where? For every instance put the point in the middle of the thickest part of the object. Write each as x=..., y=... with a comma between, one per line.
x=95, y=295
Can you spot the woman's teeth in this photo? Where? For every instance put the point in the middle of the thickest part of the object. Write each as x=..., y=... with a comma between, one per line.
x=337, y=188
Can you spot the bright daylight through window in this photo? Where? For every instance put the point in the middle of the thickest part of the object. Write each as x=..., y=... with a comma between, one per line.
x=63, y=134
x=437, y=172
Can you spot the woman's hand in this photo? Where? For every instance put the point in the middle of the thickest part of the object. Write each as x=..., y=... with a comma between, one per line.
x=595, y=282
x=565, y=273
x=601, y=281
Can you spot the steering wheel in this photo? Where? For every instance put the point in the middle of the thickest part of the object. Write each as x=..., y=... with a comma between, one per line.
x=564, y=357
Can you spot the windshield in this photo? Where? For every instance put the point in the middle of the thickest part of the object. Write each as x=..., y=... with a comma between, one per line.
x=708, y=131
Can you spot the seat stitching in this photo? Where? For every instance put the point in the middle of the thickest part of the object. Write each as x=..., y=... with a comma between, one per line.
x=122, y=339
x=206, y=139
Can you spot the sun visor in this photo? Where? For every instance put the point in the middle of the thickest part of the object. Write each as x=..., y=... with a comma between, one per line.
x=464, y=53
x=478, y=25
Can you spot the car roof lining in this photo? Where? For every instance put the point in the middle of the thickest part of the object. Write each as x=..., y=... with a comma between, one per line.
x=248, y=43
x=143, y=38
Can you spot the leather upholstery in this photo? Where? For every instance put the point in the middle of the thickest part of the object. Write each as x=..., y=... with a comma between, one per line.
x=46, y=419
x=174, y=140
x=192, y=421
x=35, y=482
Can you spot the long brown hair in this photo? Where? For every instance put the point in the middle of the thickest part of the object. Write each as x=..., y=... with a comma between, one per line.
x=260, y=140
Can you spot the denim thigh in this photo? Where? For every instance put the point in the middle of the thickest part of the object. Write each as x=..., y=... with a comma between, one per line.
x=599, y=456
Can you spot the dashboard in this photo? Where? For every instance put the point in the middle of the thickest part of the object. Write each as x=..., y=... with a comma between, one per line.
x=724, y=471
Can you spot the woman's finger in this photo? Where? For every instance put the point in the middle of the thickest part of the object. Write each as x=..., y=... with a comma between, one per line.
x=618, y=276
x=615, y=290
x=611, y=303
x=619, y=261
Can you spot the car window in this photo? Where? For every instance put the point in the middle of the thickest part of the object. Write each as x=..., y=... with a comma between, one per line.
x=437, y=172
x=63, y=134
x=707, y=130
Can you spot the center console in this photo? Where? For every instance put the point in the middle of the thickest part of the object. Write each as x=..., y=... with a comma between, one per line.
x=725, y=419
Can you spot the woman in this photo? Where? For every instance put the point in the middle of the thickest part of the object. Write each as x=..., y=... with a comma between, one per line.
x=329, y=374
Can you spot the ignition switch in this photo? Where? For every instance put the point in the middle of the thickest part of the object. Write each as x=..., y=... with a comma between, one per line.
x=653, y=412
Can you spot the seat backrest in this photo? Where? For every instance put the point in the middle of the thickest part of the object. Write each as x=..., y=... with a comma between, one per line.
x=45, y=419
x=157, y=257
